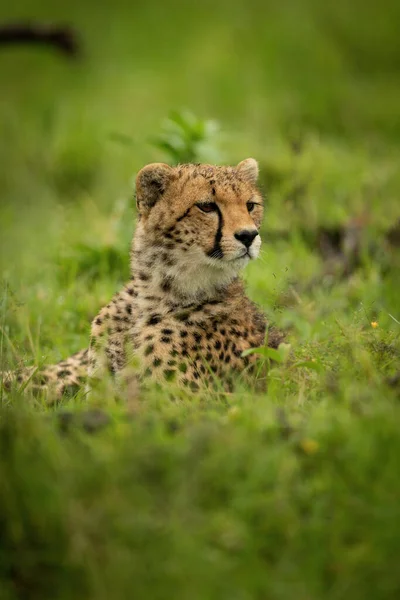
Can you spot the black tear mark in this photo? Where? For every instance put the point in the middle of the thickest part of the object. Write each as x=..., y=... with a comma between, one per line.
x=216, y=251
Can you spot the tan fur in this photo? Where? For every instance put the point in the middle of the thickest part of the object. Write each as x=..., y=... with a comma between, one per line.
x=184, y=314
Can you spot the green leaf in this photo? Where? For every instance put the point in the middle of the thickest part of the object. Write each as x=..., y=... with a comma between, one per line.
x=284, y=351
x=310, y=364
x=280, y=355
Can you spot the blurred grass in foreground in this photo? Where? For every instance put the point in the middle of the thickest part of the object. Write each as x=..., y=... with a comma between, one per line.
x=289, y=493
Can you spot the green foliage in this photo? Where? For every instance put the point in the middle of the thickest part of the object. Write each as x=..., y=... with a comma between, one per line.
x=186, y=138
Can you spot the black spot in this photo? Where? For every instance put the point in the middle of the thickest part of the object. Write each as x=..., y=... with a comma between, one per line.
x=154, y=319
x=183, y=333
x=157, y=362
x=197, y=336
x=227, y=358
x=165, y=339
x=98, y=321
x=111, y=368
x=198, y=307
x=169, y=374
x=183, y=315
x=171, y=363
x=222, y=331
x=130, y=291
x=213, y=191
x=183, y=367
x=221, y=356
x=41, y=379
x=144, y=276
x=208, y=356
x=148, y=350
x=167, y=331
x=217, y=345
x=128, y=309
x=166, y=284
x=202, y=369
x=63, y=373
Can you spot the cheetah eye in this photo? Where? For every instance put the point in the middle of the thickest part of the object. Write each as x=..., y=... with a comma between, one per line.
x=207, y=207
x=250, y=206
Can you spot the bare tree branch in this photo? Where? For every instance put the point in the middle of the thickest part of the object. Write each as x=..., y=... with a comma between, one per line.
x=61, y=38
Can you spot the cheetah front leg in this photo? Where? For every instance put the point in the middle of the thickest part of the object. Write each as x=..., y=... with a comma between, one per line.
x=54, y=381
x=110, y=333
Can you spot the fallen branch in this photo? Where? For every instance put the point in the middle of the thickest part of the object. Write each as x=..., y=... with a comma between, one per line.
x=63, y=39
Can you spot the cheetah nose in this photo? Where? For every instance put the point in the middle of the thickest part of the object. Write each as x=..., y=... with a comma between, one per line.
x=246, y=236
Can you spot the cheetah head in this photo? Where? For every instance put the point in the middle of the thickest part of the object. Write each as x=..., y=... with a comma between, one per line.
x=198, y=223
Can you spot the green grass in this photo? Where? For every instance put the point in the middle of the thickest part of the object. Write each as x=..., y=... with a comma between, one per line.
x=290, y=493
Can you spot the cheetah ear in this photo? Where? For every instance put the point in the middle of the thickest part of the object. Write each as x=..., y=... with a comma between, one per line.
x=248, y=169
x=151, y=183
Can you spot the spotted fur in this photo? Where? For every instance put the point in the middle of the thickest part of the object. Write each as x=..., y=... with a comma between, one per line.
x=184, y=314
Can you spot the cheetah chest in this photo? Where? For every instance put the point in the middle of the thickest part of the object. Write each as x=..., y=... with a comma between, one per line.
x=193, y=344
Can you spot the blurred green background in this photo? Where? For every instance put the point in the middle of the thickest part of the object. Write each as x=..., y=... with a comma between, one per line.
x=290, y=493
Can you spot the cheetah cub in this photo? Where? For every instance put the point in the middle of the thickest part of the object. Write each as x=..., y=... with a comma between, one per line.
x=184, y=315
